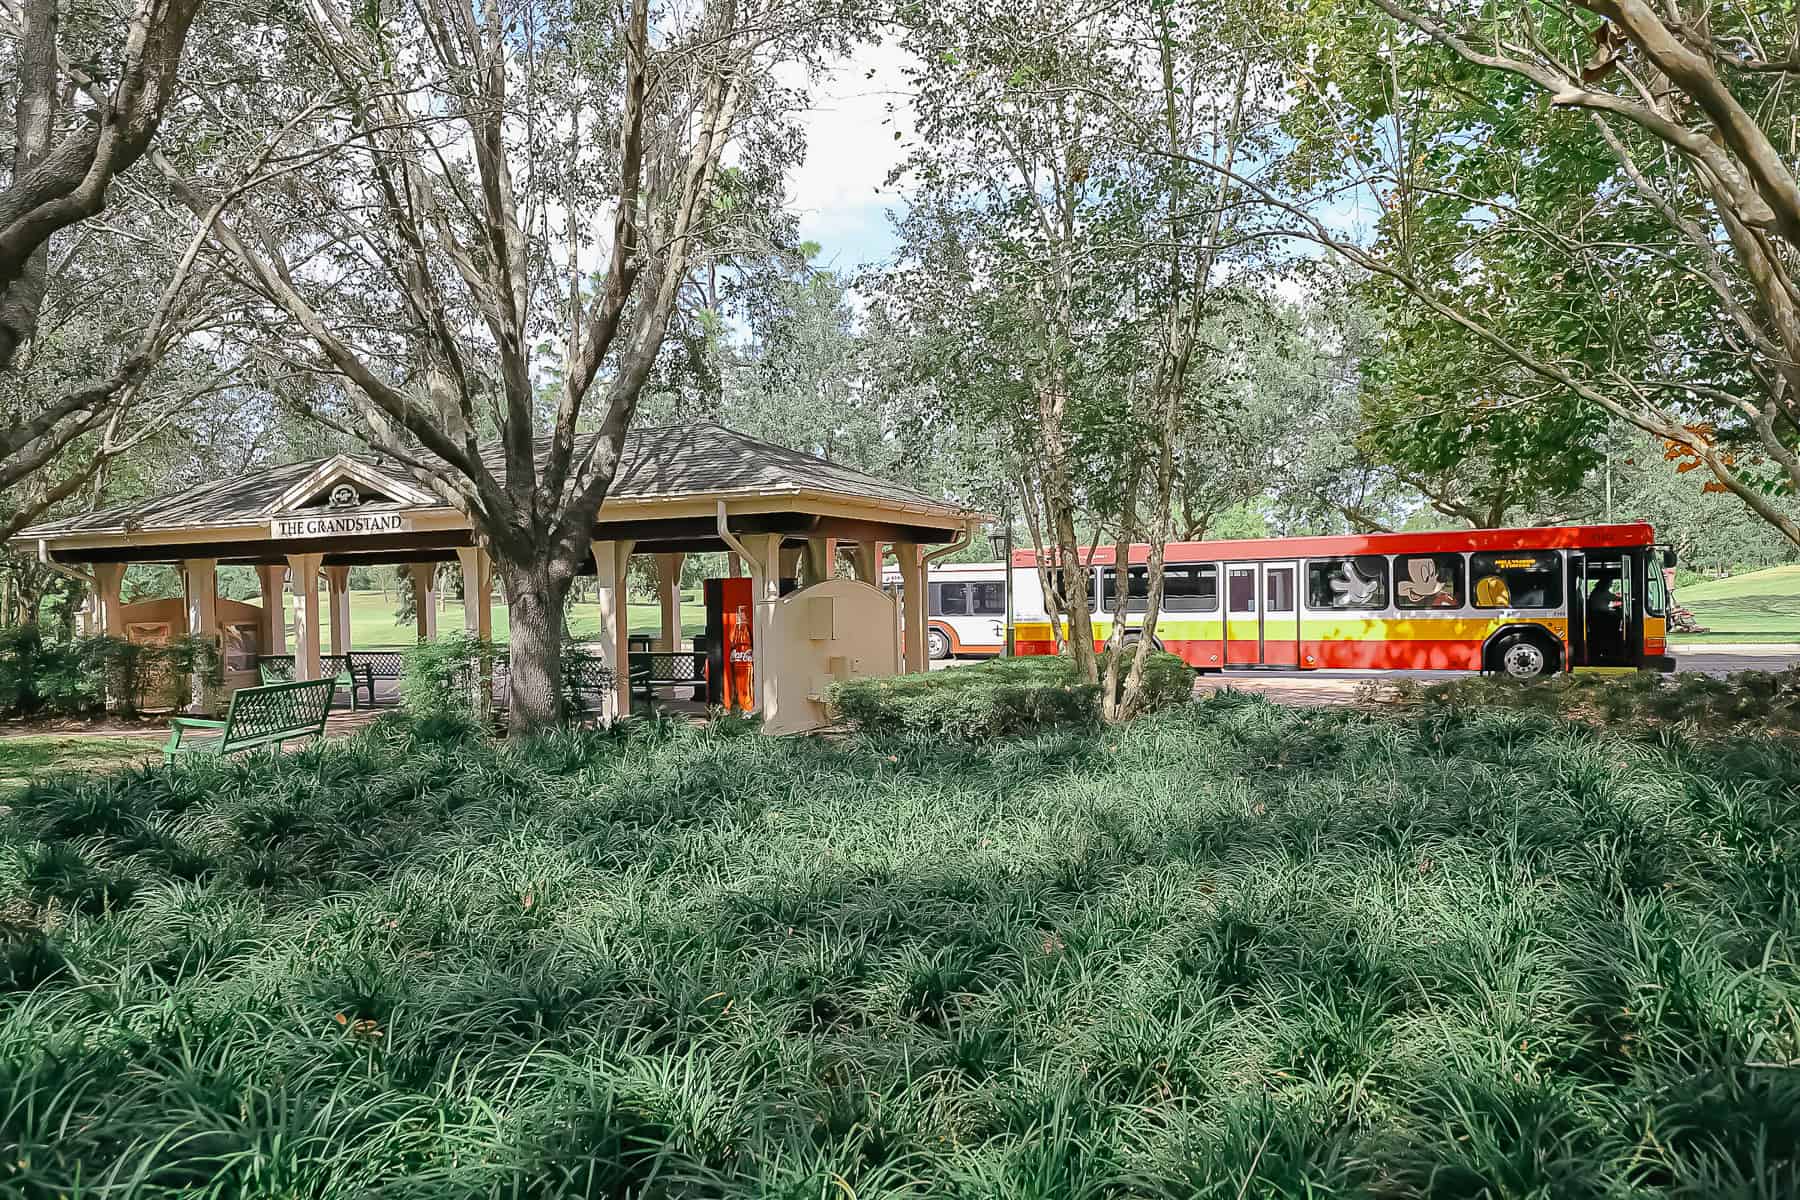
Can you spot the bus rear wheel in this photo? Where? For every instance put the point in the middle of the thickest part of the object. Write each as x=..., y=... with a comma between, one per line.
x=1522, y=655
x=937, y=644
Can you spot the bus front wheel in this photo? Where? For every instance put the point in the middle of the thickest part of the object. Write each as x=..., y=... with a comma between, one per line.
x=1522, y=655
x=937, y=644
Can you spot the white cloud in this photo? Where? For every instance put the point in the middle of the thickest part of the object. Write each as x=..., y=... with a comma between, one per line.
x=841, y=191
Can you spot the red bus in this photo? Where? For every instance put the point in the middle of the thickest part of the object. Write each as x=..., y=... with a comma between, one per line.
x=1519, y=602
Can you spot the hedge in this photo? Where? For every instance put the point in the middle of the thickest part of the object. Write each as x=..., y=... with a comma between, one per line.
x=999, y=698
x=43, y=676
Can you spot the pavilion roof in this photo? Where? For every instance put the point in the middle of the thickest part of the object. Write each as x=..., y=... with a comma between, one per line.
x=668, y=461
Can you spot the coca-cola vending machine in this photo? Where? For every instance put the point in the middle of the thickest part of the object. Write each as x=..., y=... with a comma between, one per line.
x=730, y=644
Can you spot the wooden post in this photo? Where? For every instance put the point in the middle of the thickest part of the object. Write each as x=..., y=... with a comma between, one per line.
x=765, y=589
x=109, y=580
x=478, y=583
x=913, y=582
x=338, y=580
x=820, y=560
x=303, y=577
x=200, y=581
x=866, y=559
x=271, y=635
x=612, y=561
x=668, y=585
x=425, y=599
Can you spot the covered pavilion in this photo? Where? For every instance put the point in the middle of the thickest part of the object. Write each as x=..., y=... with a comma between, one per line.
x=785, y=515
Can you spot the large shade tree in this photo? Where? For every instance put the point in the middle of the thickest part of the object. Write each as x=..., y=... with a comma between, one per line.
x=494, y=196
x=95, y=293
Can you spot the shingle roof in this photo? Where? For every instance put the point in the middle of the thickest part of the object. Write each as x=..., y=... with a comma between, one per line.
x=669, y=461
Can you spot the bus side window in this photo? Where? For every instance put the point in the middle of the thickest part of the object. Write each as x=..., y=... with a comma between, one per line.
x=1191, y=587
x=953, y=601
x=1517, y=579
x=989, y=599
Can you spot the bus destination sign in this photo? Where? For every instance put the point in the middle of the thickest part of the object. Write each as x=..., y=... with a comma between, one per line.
x=338, y=525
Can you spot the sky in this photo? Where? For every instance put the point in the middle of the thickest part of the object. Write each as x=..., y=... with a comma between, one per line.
x=840, y=192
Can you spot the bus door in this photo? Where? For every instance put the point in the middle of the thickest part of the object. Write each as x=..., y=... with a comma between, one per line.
x=1243, y=623
x=1606, y=620
x=1280, y=616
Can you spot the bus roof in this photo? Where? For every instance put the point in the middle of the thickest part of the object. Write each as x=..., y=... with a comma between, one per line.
x=1547, y=537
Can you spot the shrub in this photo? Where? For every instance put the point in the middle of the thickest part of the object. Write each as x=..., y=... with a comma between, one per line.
x=999, y=698
x=1168, y=681
x=67, y=678
x=439, y=679
x=1748, y=701
x=992, y=699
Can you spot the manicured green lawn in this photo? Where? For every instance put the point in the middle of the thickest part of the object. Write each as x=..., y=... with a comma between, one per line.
x=23, y=758
x=372, y=619
x=1762, y=606
x=1229, y=951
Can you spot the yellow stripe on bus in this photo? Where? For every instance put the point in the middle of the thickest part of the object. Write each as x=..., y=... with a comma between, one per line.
x=1327, y=629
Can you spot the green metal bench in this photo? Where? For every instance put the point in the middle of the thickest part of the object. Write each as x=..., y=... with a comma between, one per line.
x=258, y=716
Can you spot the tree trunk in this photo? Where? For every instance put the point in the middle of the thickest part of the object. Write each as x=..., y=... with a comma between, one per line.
x=536, y=592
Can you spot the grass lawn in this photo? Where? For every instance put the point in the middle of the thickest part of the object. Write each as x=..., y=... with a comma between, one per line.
x=1762, y=606
x=23, y=758
x=1232, y=950
x=372, y=619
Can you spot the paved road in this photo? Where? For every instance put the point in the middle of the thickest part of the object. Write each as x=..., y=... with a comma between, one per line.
x=1340, y=687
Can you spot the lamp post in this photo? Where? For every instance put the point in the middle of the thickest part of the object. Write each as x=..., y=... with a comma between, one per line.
x=1000, y=542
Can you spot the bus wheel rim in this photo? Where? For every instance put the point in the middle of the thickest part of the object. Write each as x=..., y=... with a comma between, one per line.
x=1524, y=661
x=936, y=644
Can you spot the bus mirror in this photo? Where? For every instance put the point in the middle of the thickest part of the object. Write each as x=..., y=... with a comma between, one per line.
x=1668, y=557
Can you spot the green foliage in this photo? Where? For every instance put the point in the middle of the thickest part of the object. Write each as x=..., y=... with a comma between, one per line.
x=1228, y=950
x=1748, y=702
x=1479, y=180
x=1168, y=681
x=42, y=676
x=1003, y=697
x=440, y=680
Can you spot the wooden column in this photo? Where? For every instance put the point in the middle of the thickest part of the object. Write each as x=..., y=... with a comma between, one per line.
x=867, y=560
x=338, y=580
x=790, y=562
x=425, y=595
x=303, y=578
x=271, y=635
x=668, y=587
x=478, y=584
x=913, y=583
x=200, y=583
x=109, y=579
x=820, y=560
x=611, y=562
x=765, y=589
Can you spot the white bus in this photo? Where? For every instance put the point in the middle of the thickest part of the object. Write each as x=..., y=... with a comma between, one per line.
x=967, y=606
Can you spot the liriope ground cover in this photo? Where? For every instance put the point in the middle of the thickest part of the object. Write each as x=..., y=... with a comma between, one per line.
x=1232, y=950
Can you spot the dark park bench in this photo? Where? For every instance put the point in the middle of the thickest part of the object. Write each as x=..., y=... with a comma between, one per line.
x=357, y=670
x=258, y=716
x=652, y=669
